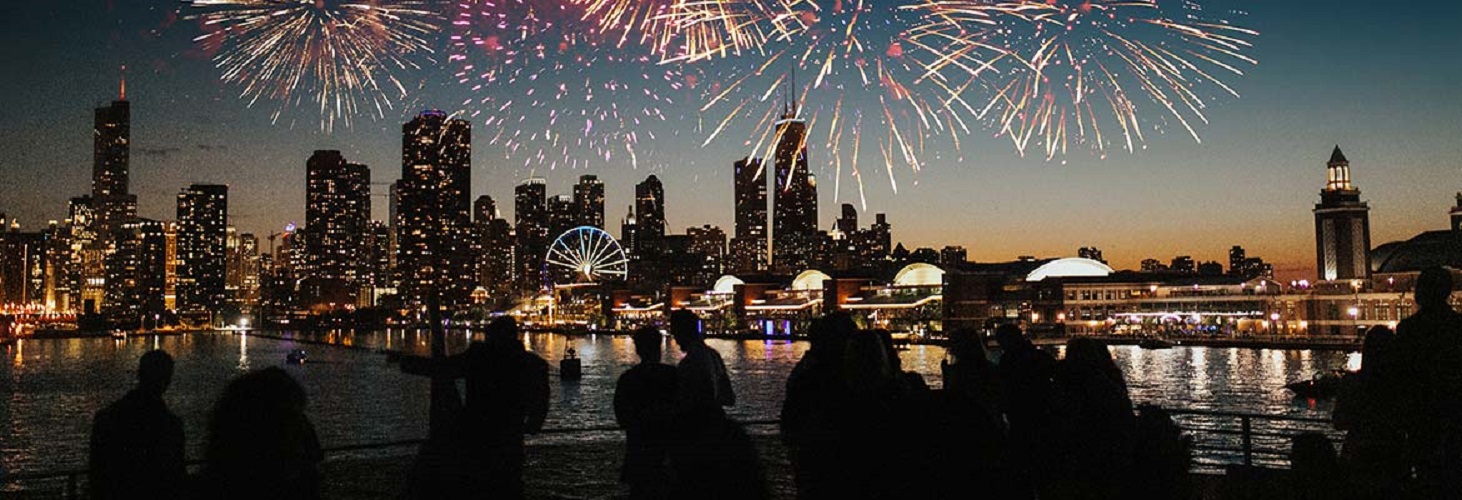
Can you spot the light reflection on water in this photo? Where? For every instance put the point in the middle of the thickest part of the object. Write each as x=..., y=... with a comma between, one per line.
x=53, y=387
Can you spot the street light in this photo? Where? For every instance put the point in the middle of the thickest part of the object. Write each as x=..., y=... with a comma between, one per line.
x=1274, y=319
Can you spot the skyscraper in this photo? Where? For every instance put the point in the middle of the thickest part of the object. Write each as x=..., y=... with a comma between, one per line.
x=484, y=209
x=136, y=283
x=649, y=216
x=1342, y=225
x=708, y=243
x=794, y=207
x=337, y=214
x=562, y=215
x=434, y=241
x=530, y=212
x=589, y=201
x=749, y=246
x=202, y=247
x=111, y=152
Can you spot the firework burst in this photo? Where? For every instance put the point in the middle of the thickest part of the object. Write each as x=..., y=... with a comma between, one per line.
x=553, y=87
x=1089, y=71
x=340, y=56
x=869, y=68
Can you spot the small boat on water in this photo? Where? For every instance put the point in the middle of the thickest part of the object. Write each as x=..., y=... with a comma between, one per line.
x=296, y=357
x=119, y=334
x=1322, y=385
x=570, y=367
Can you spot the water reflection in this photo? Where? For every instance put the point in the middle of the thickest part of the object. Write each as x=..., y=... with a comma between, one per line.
x=356, y=396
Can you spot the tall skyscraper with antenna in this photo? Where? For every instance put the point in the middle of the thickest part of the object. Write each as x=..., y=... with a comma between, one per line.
x=794, y=192
x=111, y=154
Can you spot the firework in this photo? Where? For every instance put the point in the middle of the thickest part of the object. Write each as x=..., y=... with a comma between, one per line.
x=1086, y=71
x=340, y=56
x=867, y=66
x=553, y=89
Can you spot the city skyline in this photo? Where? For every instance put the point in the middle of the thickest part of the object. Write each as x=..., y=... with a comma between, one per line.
x=1388, y=114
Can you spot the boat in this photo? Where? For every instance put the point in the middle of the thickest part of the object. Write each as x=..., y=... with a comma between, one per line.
x=296, y=357
x=1322, y=385
x=119, y=334
x=570, y=367
x=1154, y=343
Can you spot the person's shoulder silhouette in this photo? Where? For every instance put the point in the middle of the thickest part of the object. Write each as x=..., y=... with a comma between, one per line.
x=260, y=442
x=137, y=443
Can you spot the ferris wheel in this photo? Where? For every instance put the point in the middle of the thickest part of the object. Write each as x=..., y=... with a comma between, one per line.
x=586, y=254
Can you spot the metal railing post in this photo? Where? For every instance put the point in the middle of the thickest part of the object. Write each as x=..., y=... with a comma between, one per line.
x=1248, y=437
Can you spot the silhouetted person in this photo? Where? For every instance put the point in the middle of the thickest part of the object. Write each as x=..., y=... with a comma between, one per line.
x=1429, y=359
x=811, y=407
x=1366, y=409
x=1315, y=468
x=703, y=386
x=136, y=443
x=1025, y=394
x=910, y=383
x=961, y=431
x=507, y=397
x=1160, y=457
x=260, y=443
x=644, y=405
x=1095, y=423
x=712, y=457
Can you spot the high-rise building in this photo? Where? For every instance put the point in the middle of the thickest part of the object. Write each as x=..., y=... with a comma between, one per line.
x=629, y=232
x=649, y=216
x=484, y=209
x=1236, y=257
x=202, y=247
x=110, y=175
x=495, y=260
x=709, y=244
x=562, y=215
x=22, y=267
x=337, y=215
x=1183, y=264
x=589, y=201
x=749, y=246
x=434, y=233
x=531, y=223
x=953, y=256
x=378, y=253
x=1342, y=225
x=794, y=195
x=136, y=285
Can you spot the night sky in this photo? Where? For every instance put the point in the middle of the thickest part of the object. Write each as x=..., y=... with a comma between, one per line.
x=1378, y=78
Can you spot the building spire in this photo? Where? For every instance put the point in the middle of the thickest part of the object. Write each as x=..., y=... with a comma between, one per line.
x=123, y=92
x=1336, y=156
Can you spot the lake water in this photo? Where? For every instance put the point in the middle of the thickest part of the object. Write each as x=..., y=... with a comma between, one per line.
x=51, y=388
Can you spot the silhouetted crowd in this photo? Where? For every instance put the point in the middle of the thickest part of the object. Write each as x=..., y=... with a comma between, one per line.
x=1013, y=424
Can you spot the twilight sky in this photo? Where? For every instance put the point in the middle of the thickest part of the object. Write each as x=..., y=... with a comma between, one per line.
x=1379, y=79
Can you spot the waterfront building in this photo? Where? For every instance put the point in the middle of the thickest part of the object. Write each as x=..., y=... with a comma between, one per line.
x=202, y=247
x=434, y=242
x=337, y=214
x=1342, y=225
x=22, y=268
x=530, y=212
x=749, y=246
x=589, y=202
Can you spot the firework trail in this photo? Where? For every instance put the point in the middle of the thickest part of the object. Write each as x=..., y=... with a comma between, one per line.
x=867, y=66
x=339, y=56
x=554, y=88
x=1095, y=72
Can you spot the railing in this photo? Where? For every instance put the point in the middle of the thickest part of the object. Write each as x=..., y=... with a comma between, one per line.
x=1220, y=439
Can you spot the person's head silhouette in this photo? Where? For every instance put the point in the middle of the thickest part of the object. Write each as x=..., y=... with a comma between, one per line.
x=155, y=372
x=685, y=326
x=503, y=332
x=1010, y=337
x=1433, y=288
x=1377, y=344
x=647, y=345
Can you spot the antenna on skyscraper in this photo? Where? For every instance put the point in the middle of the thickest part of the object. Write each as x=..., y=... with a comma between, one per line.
x=124, y=83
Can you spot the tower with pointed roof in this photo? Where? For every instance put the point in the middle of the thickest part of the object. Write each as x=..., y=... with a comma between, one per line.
x=794, y=192
x=1342, y=226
